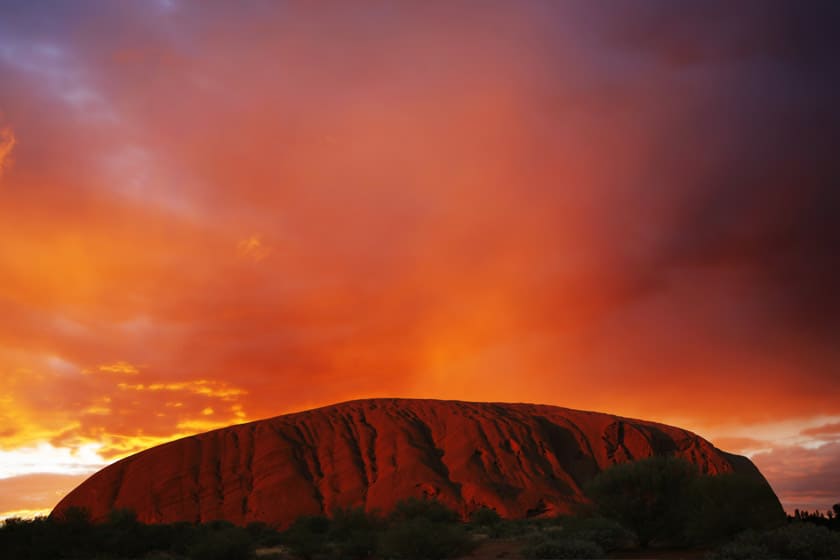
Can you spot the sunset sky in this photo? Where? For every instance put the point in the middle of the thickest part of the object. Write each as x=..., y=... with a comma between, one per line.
x=214, y=212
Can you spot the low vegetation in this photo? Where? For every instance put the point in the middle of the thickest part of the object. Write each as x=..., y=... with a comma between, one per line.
x=798, y=540
x=122, y=537
x=652, y=503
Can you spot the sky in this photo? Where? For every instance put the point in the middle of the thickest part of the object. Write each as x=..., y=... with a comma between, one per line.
x=215, y=212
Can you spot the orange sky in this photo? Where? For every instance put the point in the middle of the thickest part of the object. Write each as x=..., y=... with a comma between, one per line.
x=214, y=214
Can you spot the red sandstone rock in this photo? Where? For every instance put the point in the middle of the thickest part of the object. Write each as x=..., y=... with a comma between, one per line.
x=520, y=459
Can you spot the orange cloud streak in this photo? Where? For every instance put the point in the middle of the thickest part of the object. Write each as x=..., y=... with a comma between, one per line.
x=7, y=143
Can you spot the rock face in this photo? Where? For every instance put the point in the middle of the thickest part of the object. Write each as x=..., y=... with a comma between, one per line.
x=520, y=459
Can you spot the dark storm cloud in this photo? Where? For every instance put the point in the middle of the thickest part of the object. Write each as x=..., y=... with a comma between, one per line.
x=685, y=33
x=751, y=167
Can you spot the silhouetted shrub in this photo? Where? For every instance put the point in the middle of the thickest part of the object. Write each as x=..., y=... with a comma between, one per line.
x=609, y=534
x=487, y=521
x=646, y=496
x=307, y=535
x=122, y=535
x=562, y=548
x=162, y=555
x=719, y=507
x=420, y=538
x=802, y=541
x=263, y=534
x=513, y=528
x=746, y=547
x=485, y=517
x=354, y=533
x=423, y=529
x=415, y=508
x=74, y=516
x=221, y=542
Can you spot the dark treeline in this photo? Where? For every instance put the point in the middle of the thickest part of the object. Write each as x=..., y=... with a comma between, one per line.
x=658, y=502
x=121, y=536
x=830, y=518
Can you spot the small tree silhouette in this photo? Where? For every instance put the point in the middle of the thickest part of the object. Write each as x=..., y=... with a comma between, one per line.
x=419, y=529
x=647, y=496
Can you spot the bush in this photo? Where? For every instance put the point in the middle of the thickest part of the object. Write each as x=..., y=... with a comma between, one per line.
x=122, y=535
x=563, y=548
x=353, y=533
x=307, y=535
x=606, y=533
x=225, y=543
x=160, y=555
x=512, y=528
x=487, y=520
x=485, y=517
x=423, y=529
x=742, y=549
x=647, y=496
x=420, y=538
x=722, y=506
x=263, y=534
x=802, y=541
x=431, y=510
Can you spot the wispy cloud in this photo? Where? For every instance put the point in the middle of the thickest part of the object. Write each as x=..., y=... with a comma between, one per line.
x=204, y=387
x=123, y=368
x=253, y=247
x=7, y=144
x=829, y=430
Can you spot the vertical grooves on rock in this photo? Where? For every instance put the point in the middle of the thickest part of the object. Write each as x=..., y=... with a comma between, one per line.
x=196, y=476
x=236, y=471
x=488, y=448
x=353, y=439
x=118, y=485
x=619, y=439
x=537, y=449
x=581, y=436
x=437, y=463
x=371, y=447
x=307, y=454
x=247, y=475
x=155, y=497
x=217, y=471
x=618, y=445
x=649, y=434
